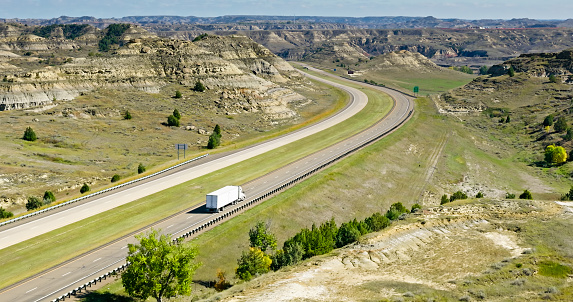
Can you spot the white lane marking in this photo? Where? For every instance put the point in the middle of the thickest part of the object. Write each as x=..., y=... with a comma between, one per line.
x=169, y=226
x=97, y=259
x=31, y=289
x=123, y=247
x=66, y=274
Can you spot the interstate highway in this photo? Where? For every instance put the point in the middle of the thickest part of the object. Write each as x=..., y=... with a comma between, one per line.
x=62, y=279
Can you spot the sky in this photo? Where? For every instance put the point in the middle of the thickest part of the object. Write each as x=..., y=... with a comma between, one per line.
x=461, y=9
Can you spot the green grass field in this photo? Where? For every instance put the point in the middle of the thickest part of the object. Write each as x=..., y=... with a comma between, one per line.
x=82, y=236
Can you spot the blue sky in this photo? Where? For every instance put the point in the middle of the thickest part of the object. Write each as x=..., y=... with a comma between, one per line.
x=463, y=9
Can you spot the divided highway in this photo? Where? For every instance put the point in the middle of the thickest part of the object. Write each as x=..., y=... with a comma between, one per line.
x=61, y=279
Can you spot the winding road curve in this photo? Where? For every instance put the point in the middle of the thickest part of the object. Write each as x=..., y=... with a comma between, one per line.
x=61, y=279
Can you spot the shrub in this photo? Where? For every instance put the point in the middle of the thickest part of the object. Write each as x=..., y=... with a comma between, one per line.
x=479, y=195
x=5, y=214
x=49, y=197
x=29, y=135
x=458, y=195
x=347, y=233
x=555, y=154
x=127, y=115
x=252, y=263
x=200, y=37
x=214, y=138
x=553, y=79
x=396, y=210
x=172, y=121
x=199, y=86
x=115, y=178
x=33, y=203
x=561, y=124
x=483, y=70
x=141, y=168
x=84, y=188
x=444, y=199
x=415, y=207
x=526, y=195
x=569, y=135
x=177, y=114
x=548, y=121
x=511, y=71
x=178, y=94
x=509, y=195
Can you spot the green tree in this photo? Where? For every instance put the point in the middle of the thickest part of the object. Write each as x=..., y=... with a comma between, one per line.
x=552, y=79
x=458, y=195
x=347, y=233
x=29, y=135
x=525, y=195
x=176, y=114
x=33, y=203
x=172, y=121
x=158, y=267
x=511, y=71
x=115, y=178
x=141, y=168
x=291, y=254
x=445, y=199
x=260, y=237
x=217, y=130
x=5, y=214
x=548, y=121
x=396, y=210
x=479, y=195
x=49, y=197
x=127, y=115
x=569, y=135
x=178, y=94
x=199, y=86
x=555, y=154
x=483, y=70
x=415, y=207
x=561, y=124
x=214, y=138
x=84, y=188
x=377, y=222
x=252, y=263
x=568, y=195
x=507, y=120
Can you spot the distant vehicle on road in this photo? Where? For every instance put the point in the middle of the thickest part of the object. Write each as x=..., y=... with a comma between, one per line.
x=217, y=200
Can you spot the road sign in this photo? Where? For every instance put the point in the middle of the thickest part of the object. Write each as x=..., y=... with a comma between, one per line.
x=181, y=147
x=416, y=89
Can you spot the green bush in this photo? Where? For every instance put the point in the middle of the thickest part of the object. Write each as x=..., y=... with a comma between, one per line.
x=396, y=210
x=553, y=79
x=5, y=214
x=548, y=121
x=511, y=71
x=49, y=197
x=509, y=195
x=84, y=188
x=561, y=124
x=178, y=94
x=252, y=263
x=458, y=195
x=214, y=138
x=347, y=233
x=200, y=37
x=569, y=135
x=526, y=195
x=377, y=222
x=29, y=135
x=33, y=203
x=172, y=121
x=141, y=168
x=479, y=195
x=177, y=114
x=115, y=178
x=445, y=199
x=415, y=207
x=127, y=115
x=199, y=86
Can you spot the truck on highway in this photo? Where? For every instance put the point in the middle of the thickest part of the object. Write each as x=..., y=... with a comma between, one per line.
x=217, y=200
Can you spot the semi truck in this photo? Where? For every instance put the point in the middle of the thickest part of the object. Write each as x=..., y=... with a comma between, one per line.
x=217, y=200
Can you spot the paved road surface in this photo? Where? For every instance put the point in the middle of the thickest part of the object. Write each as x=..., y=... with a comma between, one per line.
x=63, y=278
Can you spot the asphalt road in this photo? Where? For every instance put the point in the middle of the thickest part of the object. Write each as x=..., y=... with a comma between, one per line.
x=61, y=279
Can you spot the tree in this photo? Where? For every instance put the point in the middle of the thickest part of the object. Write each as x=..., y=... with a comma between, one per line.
x=415, y=207
x=561, y=124
x=507, y=120
x=479, y=195
x=115, y=178
x=347, y=233
x=49, y=197
x=29, y=135
x=5, y=214
x=525, y=195
x=458, y=195
x=569, y=135
x=141, y=168
x=555, y=154
x=127, y=115
x=377, y=222
x=214, y=138
x=548, y=121
x=553, y=79
x=483, y=70
x=291, y=254
x=176, y=114
x=159, y=268
x=511, y=71
x=445, y=199
x=178, y=94
x=222, y=283
x=566, y=196
x=33, y=203
x=199, y=86
x=396, y=210
x=260, y=237
x=84, y=188
x=172, y=121
x=253, y=263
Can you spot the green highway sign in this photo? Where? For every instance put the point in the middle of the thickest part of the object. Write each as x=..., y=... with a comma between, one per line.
x=416, y=89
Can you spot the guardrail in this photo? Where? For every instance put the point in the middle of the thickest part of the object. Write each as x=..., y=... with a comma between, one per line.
x=236, y=210
x=100, y=192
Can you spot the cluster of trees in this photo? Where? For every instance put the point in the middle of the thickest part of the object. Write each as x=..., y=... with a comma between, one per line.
x=457, y=195
x=525, y=195
x=373, y=82
x=71, y=31
x=159, y=267
x=483, y=70
x=35, y=202
x=308, y=242
x=173, y=120
x=560, y=125
x=200, y=37
x=464, y=69
x=112, y=36
x=214, y=138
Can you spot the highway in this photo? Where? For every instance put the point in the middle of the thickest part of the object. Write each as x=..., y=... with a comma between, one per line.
x=61, y=279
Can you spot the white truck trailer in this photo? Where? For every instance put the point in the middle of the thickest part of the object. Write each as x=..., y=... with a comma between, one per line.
x=217, y=200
